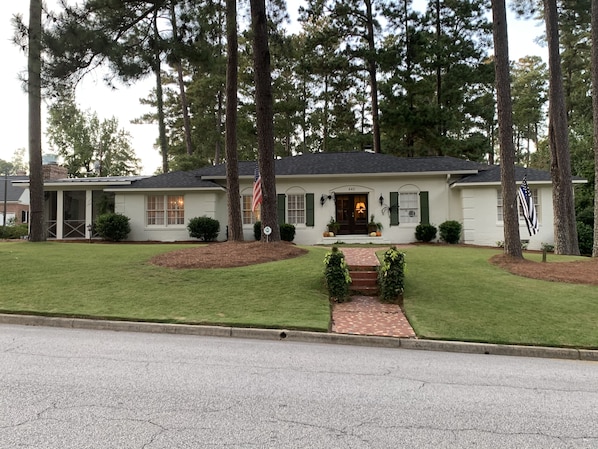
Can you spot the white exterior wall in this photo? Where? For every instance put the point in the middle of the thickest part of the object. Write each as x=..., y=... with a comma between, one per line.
x=475, y=207
x=197, y=204
x=373, y=187
x=481, y=225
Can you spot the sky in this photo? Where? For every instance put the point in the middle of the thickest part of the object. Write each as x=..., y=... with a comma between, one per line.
x=123, y=103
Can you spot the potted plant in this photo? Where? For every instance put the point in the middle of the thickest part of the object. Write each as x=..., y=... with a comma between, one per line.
x=333, y=227
x=372, y=225
x=379, y=229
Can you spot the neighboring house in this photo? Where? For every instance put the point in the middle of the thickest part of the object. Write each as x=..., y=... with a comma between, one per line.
x=311, y=189
x=14, y=200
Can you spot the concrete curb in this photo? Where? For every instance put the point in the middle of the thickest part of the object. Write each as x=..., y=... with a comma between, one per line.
x=304, y=336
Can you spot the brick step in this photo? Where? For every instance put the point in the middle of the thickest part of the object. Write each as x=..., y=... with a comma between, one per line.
x=365, y=291
x=363, y=268
x=364, y=283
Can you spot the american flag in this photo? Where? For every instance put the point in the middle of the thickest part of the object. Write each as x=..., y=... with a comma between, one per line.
x=528, y=208
x=257, y=190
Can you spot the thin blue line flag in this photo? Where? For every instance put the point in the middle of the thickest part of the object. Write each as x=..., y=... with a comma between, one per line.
x=528, y=209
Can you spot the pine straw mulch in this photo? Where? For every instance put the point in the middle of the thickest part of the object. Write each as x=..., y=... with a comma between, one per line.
x=228, y=255
x=239, y=254
x=576, y=272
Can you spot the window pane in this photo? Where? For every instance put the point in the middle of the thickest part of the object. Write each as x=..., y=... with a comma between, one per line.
x=248, y=216
x=176, y=210
x=155, y=210
x=408, y=207
x=296, y=209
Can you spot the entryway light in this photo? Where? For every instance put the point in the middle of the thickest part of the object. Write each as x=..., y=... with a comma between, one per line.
x=381, y=200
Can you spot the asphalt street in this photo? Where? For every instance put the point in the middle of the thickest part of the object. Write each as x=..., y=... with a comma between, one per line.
x=76, y=388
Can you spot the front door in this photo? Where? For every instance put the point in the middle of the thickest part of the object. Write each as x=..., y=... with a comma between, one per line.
x=352, y=213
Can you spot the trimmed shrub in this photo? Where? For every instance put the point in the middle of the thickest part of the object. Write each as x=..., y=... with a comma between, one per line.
x=287, y=232
x=14, y=231
x=257, y=230
x=391, y=275
x=450, y=231
x=425, y=232
x=112, y=226
x=585, y=238
x=337, y=275
x=204, y=228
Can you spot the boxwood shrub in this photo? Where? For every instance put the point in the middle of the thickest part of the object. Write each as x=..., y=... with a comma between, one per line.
x=425, y=232
x=112, y=226
x=450, y=231
x=287, y=232
x=204, y=228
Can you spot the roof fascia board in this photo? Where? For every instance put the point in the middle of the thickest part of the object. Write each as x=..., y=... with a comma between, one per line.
x=166, y=189
x=499, y=184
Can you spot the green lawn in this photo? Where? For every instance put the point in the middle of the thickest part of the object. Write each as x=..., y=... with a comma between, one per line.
x=452, y=293
x=117, y=282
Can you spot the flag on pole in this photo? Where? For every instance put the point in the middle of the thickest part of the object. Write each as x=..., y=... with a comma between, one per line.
x=528, y=208
x=257, y=190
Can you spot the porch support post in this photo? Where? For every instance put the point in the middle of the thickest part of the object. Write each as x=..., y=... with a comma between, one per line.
x=88, y=214
x=59, y=214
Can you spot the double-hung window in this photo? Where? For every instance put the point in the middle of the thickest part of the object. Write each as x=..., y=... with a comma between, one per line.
x=249, y=217
x=296, y=209
x=408, y=207
x=165, y=210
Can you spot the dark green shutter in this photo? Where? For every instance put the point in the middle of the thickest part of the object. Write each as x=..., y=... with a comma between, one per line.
x=424, y=207
x=281, y=200
x=309, y=209
x=394, y=208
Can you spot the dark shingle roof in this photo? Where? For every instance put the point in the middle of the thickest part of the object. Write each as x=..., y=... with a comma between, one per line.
x=13, y=192
x=178, y=179
x=350, y=163
x=321, y=164
x=491, y=175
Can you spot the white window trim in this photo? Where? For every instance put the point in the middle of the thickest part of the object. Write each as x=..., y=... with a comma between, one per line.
x=164, y=211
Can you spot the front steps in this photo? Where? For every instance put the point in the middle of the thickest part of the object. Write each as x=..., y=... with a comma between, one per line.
x=364, y=281
x=349, y=239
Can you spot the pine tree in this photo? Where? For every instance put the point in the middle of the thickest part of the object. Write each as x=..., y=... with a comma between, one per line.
x=505, y=131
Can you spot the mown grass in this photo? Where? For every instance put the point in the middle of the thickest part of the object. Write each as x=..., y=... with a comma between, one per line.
x=117, y=282
x=454, y=293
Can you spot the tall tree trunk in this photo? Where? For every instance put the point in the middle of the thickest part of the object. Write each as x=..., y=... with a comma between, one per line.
x=439, y=150
x=565, y=227
x=37, y=231
x=235, y=222
x=371, y=64
x=505, y=130
x=218, y=144
x=595, y=117
x=265, y=116
x=181, y=81
x=160, y=98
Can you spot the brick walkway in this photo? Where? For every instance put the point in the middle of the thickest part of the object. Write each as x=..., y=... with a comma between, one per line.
x=366, y=315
